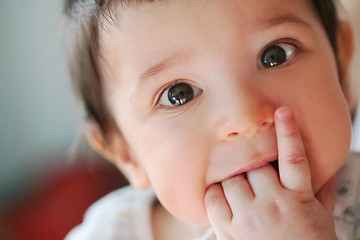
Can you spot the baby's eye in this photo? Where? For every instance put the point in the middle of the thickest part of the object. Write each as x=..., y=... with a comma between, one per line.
x=179, y=94
x=276, y=55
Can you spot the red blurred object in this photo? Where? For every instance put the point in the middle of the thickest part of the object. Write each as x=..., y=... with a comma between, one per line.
x=59, y=203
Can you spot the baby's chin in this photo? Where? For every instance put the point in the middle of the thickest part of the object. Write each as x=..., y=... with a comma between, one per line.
x=195, y=215
x=201, y=221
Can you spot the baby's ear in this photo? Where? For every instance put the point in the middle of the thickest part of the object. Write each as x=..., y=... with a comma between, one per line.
x=345, y=47
x=116, y=150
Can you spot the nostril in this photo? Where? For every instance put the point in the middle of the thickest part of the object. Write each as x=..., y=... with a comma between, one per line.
x=233, y=134
x=266, y=123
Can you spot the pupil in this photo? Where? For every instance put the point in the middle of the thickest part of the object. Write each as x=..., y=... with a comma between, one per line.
x=180, y=94
x=273, y=56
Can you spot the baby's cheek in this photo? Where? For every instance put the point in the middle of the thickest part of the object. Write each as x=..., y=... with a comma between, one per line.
x=326, y=132
x=177, y=167
x=184, y=203
x=324, y=166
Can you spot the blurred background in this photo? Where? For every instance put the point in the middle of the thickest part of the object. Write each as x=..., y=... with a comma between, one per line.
x=39, y=114
x=43, y=191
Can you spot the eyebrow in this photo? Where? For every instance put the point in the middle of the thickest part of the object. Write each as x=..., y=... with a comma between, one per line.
x=278, y=20
x=154, y=70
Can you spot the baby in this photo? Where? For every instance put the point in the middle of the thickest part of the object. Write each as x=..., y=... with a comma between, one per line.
x=199, y=101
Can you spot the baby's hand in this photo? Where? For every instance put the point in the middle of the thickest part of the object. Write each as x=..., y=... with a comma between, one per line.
x=264, y=206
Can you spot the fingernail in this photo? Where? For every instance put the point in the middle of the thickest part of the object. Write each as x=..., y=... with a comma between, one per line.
x=284, y=114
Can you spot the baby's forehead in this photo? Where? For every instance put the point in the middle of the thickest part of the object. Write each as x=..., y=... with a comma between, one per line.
x=133, y=16
x=137, y=6
x=122, y=12
x=155, y=24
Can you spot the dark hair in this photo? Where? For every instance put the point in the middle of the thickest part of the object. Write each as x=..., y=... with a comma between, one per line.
x=326, y=10
x=83, y=21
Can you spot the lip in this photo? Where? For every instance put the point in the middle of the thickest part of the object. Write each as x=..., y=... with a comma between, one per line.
x=252, y=166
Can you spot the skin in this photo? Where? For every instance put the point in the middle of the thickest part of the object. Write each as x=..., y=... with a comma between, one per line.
x=204, y=148
x=273, y=207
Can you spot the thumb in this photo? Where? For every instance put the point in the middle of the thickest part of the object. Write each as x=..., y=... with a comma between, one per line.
x=326, y=195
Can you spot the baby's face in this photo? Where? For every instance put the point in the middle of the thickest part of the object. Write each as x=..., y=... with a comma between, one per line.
x=193, y=86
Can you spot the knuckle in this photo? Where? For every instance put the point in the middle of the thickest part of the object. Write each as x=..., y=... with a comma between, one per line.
x=211, y=201
x=211, y=198
x=291, y=132
x=233, y=181
x=296, y=157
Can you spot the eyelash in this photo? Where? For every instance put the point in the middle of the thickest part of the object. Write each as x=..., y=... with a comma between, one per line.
x=161, y=93
x=297, y=48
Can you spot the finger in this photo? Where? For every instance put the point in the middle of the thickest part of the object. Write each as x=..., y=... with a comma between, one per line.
x=293, y=165
x=326, y=195
x=238, y=192
x=217, y=208
x=264, y=181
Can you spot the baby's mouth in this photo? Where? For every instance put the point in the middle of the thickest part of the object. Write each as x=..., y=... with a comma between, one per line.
x=256, y=165
x=275, y=164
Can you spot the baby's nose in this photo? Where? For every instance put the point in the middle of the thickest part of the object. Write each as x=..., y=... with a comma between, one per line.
x=245, y=120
